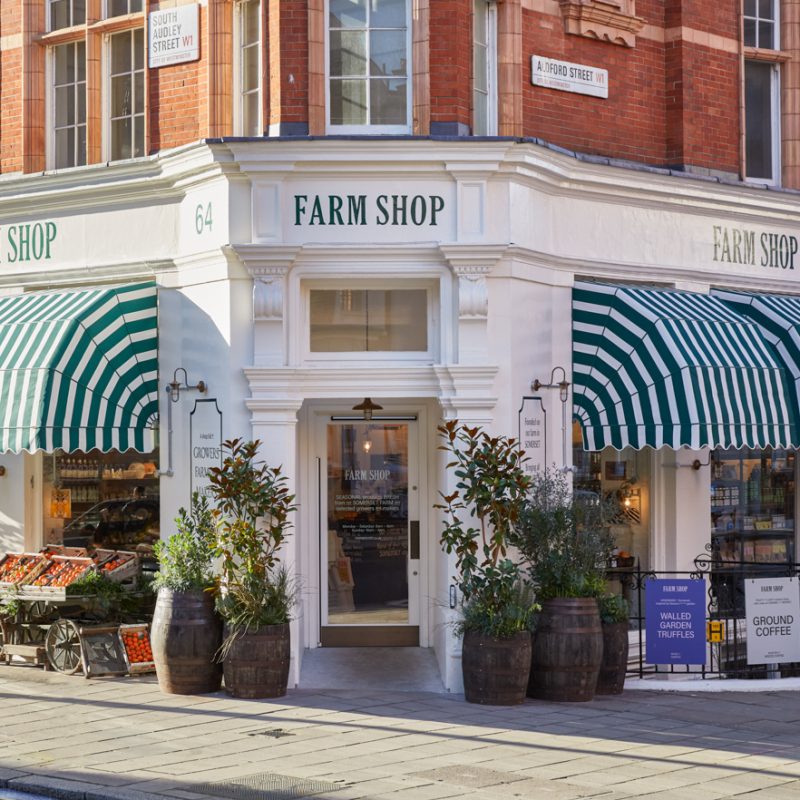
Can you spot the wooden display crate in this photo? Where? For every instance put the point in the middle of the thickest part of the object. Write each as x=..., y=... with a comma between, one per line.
x=37, y=563
x=139, y=633
x=117, y=565
x=50, y=581
x=61, y=550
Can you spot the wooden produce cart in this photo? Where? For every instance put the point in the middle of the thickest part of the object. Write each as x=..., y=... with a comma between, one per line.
x=49, y=625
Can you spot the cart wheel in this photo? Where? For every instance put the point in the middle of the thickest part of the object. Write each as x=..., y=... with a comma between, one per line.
x=63, y=647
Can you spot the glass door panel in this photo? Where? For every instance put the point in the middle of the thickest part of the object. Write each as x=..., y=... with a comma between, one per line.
x=367, y=502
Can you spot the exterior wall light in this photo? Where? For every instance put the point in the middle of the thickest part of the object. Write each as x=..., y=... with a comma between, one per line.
x=175, y=387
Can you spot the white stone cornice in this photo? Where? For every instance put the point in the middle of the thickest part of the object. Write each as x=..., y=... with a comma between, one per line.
x=108, y=273
x=464, y=258
x=266, y=260
x=455, y=386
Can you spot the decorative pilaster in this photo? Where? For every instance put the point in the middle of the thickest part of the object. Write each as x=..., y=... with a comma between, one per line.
x=268, y=292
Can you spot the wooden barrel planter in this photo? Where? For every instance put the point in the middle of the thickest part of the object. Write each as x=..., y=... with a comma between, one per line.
x=615, y=658
x=185, y=635
x=257, y=664
x=496, y=670
x=567, y=650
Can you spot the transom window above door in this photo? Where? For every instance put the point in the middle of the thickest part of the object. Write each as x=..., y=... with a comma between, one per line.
x=369, y=87
x=369, y=321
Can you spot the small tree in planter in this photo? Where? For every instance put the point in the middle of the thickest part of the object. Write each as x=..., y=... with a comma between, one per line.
x=186, y=632
x=252, y=513
x=566, y=540
x=490, y=489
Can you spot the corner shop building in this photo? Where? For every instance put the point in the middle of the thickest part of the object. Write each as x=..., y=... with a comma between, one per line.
x=439, y=278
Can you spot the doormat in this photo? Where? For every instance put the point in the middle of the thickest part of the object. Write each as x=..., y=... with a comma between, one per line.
x=265, y=786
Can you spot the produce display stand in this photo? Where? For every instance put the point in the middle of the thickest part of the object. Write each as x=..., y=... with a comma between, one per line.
x=64, y=632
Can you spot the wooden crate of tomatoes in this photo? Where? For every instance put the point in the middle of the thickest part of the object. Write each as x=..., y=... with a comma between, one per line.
x=59, y=573
x=21, y=568
x=137, y=648
x=117, y=565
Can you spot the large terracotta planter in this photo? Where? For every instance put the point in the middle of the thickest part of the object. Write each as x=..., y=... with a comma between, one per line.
x=257, y=663
x=496, y=670
x=567, y=650
x=611, y=679
x=185, y=635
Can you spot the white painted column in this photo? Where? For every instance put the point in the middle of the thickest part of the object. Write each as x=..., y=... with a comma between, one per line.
x=681, y=508
x=275, y=425
x=466, y=396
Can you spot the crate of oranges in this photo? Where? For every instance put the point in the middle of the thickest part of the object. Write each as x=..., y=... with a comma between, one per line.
x=118, y=565
x=21, y=568
x=137, y=648
x=59, y=573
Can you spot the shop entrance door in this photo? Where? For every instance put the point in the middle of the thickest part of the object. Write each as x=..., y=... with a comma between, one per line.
x=370, y=535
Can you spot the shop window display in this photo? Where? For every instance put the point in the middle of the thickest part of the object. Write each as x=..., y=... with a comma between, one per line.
x=107, y=500
x=752, y=506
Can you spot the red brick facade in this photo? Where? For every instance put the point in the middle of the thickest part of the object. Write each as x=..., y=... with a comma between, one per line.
x=674, y=95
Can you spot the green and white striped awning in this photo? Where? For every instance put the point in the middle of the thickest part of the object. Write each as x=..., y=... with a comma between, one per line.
x=79, y=370
x=654, y=368
x=778, y=317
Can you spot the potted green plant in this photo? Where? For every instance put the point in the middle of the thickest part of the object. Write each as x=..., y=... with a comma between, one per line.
x=614, y=616
x=497, y=608
x=186, y=632
x=253, y=507
x=565, y=539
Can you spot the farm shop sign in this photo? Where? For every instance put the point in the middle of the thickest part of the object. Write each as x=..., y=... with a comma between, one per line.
x=28, y=241
x=742, y=246
x=568, y=77
x=351, y=210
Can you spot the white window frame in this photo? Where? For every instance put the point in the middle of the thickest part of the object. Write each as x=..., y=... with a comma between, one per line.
x=491, y=69
x=776, y=29
x=50, y=108
x=106, y=126
x=368, y=128
x=775, y=108
x=238, y=61
x=106, y=4
x=428, y=356
x=48, y=15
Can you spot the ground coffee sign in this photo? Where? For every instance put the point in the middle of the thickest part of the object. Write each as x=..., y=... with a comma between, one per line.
x=772, y=609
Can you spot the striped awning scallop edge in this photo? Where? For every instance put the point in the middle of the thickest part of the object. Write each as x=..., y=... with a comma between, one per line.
x=656, y=367
x=79, y=369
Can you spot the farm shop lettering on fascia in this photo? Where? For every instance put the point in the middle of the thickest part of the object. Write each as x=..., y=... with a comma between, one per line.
x=356, y=209
x=27, y=241
x=742, y=246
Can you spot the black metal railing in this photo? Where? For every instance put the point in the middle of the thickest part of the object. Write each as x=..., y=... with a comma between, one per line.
x=725, y=587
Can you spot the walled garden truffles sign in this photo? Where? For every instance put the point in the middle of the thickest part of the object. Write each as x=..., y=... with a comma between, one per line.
x=772, y=609
x=675, y=621
x=568, y=77
x=173, y=36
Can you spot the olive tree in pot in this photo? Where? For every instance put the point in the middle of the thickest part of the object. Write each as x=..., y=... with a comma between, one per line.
x=614, y=617
x=186, y=631
x=566, y=541
x=497, y=606
x=252, y=510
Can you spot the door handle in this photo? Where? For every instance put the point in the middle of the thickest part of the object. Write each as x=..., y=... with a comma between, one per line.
x=413, y=544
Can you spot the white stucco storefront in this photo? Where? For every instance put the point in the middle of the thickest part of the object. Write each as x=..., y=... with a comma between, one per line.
x=490, y=235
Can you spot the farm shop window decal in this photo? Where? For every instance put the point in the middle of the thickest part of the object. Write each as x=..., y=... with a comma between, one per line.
x=27, y=241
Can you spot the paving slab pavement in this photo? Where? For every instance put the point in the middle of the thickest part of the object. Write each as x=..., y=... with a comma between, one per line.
x=122, y=739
